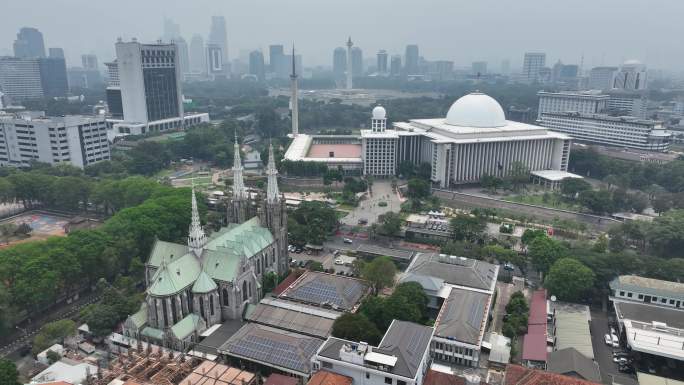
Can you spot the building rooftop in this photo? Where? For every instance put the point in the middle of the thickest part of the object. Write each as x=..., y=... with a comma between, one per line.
x=324, y=377
x=64, y=371
x=209, y=372
x=400, y=352
x=569, y=361
x=650, y=379
x=572, y=328
x=537, y=308
x=404, y=255
x=652, y=329
x=279, y=379
x=463, y=316
x=316, y=148
x=290, y=316
x=434, y=377
x=458, y=271
x=336, y=150
x=648, y=286
x=282, y=350
x=327, y=290
x=555, y=175
x=520, y=375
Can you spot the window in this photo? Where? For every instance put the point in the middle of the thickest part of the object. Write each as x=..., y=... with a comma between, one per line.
x=388, y=380
x=641, y=296
x=622, y=294
x=400, y=382
x=663, y=300
x=367, y=375
x=629, y=295
x=327, y=365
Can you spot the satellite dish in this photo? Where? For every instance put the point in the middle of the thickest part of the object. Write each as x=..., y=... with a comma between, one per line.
x=553, y=298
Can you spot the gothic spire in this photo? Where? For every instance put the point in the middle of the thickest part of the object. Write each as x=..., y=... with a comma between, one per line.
x=239, y=190
x=196, y=236
x=272, y=192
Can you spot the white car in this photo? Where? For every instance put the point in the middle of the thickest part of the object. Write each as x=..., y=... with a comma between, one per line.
x=608, y=340
x=615, y=341
x=347, y=240
x=339, y=261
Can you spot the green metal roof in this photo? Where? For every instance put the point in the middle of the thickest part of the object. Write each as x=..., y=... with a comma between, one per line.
x=140, y=317
x=186, y=326
x=245, y=239
x=204, y=284
x=166, y=250
x=173, y=277
x=152, y=333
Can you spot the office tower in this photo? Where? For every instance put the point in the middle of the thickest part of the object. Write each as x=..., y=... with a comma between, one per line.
x=357, y=61
x=505, y=67
x=89, y=62
x=411, y=61
x=276, y=56
x=440, y=69
x=171, y=30
x=632, y=76
x=256, y=65
x=113, y=91
x=532, y=66
x=198, y=56
x=20, y=78
x=294, y=99
x=183, y=55
x=395, y=65
x=53, y=76
x=77, y=140
x=349, y=63
x=589, y=102
x=382, y=61
x=601, y=78
x=219, y=37
x=56, y=52
x=479, y=68
x=339, y=62
x=29, y=43
x=215, y=65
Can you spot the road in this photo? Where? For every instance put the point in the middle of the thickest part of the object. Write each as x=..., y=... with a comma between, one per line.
x=369, y=209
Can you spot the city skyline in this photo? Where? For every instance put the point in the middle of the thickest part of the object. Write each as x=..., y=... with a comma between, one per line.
x=450, y=34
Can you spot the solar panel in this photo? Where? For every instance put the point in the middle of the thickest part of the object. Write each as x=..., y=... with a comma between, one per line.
x=318, y=292
x=475, y=311
x=275, y=352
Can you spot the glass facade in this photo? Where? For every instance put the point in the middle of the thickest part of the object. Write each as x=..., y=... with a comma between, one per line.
x=161, y=93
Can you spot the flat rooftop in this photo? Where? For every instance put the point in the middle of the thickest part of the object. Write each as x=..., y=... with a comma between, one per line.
x=404, y=255
x=652, y=329
x=648, y=286
x=334, y=151
x=459, y=271
x=327, y=290
x=649, y=313
x=296, y=319
x=463, y=316
x=572, y=328
x=555, y=175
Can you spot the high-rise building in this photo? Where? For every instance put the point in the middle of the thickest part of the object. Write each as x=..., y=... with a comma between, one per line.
x=276, y=55
x=256, y=65
x=29, y=43
x=601, y=78
x=632, y=76
x=395, y=65
x=411, y=61
x=56, y=52
x=113, y=91
x=198, y=56
x=382, y=61
x=76, y=140
x=532, y=66
x=20, y=78
x=171, y=30
x=218, y=36
x=589, y=102
x=505, y=67
x=440, y=69
x=479, y=68
x=339, y=62
x=357, y=61
x=89, y=62
x=183, y=56
x=53, y=76
x=215, y=64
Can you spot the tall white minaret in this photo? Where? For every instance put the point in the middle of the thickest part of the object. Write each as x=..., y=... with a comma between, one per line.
x=196, y=236
x=272, y=192
x=294, y=99
x=239, y=190
x=349, y=63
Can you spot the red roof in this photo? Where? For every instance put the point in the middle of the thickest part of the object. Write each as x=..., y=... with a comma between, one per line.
x=520, y=375
x=279, y=379
x=534, y=347
x=434, y=377
x=287, y=282
x=324, y=377
x=538, y=308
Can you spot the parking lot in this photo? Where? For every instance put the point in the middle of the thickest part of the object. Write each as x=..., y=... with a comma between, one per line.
x=603, y=354
x=325, y=257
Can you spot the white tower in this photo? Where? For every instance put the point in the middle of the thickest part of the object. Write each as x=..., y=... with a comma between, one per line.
x=272, y=192
x=294, y=99
x=379, y=119
x=239, y=190
x=196, y=236
x=349, y=63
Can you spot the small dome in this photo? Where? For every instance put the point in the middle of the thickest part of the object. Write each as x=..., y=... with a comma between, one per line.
x=379, y=112
x=476, y=110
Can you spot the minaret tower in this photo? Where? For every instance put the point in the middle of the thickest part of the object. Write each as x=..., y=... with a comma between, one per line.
x=274, y=214
x=237, y=211
x=379, y=119
x=196, y=236
x=349, y=63
x=294, y=99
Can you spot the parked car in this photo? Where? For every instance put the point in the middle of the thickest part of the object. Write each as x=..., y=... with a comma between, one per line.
x=508, y=266
x=336, y=253
x=339, y=261
x=347, y=240
x=615, y=340
x=626, y=369
x=293, y=262
x=621, y=360
x=608, y=340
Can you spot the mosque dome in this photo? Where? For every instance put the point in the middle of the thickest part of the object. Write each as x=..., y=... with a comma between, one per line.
x=379, y=112
x=476, y=110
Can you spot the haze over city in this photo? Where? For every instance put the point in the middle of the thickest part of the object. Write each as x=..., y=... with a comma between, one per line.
x=606, y=32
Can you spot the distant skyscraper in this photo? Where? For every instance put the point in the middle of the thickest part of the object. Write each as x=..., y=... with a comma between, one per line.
x=20, y=78
x=632, y=76
x=256, y=65
x=53, y=76
x=219, y=36
x=276, y=55
x=339, y=62
x=357, y=61
x=412, y=58
x=479, y=68
x=89, y=62
x=532, y=66
x=171, y=30
x=183, y=55
x=198, y=58
x=29, y=43
x=395, y=65
x=56, y=53
x=349, y=63
x=505, y=67
x=601, y=78
x=215, y=64
x=382, y=61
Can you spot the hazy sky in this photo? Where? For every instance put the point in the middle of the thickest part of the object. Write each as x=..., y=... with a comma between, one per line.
x=605, y=31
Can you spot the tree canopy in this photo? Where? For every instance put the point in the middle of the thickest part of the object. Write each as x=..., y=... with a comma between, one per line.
x=379, y=273
x=569, y=279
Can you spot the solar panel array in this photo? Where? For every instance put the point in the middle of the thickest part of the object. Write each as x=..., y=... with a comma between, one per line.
x=353, y=290
x=475, y=313
x=318, y=292
x=288, y=355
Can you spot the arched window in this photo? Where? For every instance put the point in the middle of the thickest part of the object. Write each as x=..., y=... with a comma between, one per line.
x=211, y=304
x=226, y=299
x=244, y=290
x=189, y=297
x=201, y=301
x=250, y=290
x=174, y=314
x=166, y=317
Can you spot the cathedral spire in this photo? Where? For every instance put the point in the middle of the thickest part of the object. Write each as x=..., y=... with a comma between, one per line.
x=272, y=192
x=239, y=190
x=196, y=236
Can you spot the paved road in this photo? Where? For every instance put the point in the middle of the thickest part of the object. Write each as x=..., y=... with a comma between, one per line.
x=369, y=209
x=504, y=295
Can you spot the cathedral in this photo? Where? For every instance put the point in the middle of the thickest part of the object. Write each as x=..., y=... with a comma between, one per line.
x=210, y=279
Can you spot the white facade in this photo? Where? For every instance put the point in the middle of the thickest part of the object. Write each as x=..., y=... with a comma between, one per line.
x=121, y=127
x=20, y=78
x=588, y=102
x=379, y=146
x=633, y=104
x=601, y=78
x=632, y=76
x=532, y=65
x=78, y=140
x=621, y=131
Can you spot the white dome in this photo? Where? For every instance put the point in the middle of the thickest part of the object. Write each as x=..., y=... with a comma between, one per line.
x=476, y=110
x=379, y=112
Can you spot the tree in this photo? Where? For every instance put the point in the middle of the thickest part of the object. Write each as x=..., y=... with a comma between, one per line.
x=490, y=182
x=598, y=202
x=147, y=158
x=269, y=281
x=8, y=372
x=531, y=234
x=390, y=223
x=569, y=279
x=518, y=175
x=571, y=187
x=379, y=273
x=601, y=244
x=666, y=234
x=418, y=188
x=312, y=222
x=467, y=227
x=517, y=311
x=544, y=252
x=52, y=333
x=356, y=327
